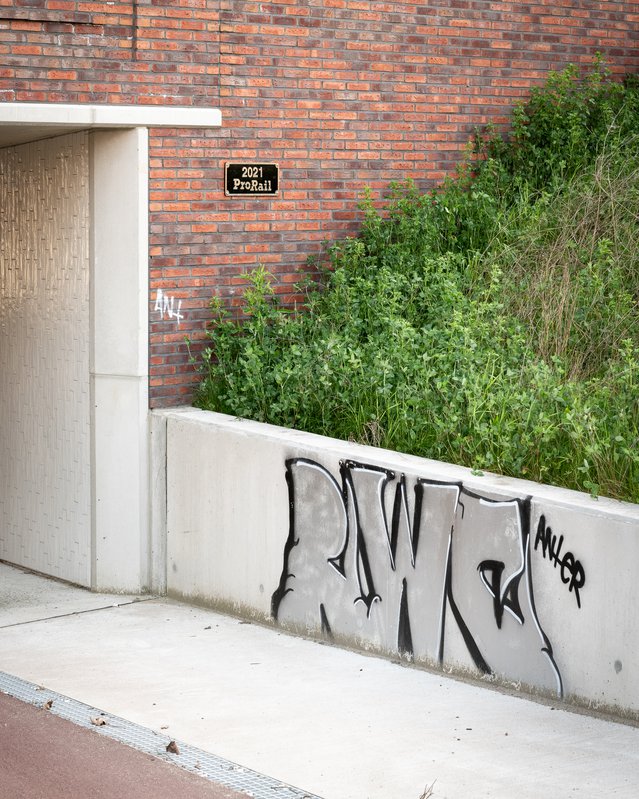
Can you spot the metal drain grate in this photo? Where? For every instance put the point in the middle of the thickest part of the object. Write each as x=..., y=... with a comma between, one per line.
x=190, y=758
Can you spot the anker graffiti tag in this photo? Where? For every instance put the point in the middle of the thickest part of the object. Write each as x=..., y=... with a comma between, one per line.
x=571, y=571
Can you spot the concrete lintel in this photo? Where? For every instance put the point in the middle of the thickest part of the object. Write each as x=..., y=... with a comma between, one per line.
x=21, y=122
x=109, y=116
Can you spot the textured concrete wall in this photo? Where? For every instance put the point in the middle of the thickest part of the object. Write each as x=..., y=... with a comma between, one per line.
x=45, y=478
x=493, y=577
x=74, y=358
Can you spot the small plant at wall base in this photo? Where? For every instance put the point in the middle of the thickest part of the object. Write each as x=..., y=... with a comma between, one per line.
x=492, y=322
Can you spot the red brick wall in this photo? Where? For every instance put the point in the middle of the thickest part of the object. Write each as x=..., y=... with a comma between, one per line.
x=343, y=94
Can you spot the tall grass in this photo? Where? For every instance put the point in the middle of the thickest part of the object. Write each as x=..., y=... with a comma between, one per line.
x=492, y=322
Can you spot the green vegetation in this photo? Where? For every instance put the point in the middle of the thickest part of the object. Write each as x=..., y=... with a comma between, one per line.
x=493, y=322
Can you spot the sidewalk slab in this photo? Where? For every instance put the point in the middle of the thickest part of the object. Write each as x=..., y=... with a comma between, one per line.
x=338, y=724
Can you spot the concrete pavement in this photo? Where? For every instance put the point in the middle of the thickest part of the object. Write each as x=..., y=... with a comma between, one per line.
x=337, y=724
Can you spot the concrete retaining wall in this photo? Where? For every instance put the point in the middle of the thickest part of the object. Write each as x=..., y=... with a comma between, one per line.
x=498, y=578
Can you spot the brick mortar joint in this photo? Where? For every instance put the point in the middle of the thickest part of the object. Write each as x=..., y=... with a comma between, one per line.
x=59, y=17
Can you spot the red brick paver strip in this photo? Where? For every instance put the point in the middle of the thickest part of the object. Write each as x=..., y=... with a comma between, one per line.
x=45, y=757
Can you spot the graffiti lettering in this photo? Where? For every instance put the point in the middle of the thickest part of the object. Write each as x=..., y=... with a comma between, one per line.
x=386, y=560
x=571, y=571
x=168, y=307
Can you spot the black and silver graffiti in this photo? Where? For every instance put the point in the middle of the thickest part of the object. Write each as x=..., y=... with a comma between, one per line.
x=417, y=566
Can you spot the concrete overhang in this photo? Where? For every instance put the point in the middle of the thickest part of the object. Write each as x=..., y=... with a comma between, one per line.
x=24, y=122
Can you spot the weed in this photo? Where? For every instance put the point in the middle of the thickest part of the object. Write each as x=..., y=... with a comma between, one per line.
x=428, y=791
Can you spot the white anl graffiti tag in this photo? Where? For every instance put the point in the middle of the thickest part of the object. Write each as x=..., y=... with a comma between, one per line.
x=168, y=307
x=416, y=566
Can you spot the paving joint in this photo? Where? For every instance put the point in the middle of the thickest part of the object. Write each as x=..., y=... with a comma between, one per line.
x=76, y=612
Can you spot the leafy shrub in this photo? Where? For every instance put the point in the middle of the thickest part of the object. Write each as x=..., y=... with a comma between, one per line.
x=492, y=322
x=563, y=127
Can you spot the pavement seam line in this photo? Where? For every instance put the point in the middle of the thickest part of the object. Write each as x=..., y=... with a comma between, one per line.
x=76, y=613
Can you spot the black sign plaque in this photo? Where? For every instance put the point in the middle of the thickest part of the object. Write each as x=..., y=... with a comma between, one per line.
x=251, y=180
